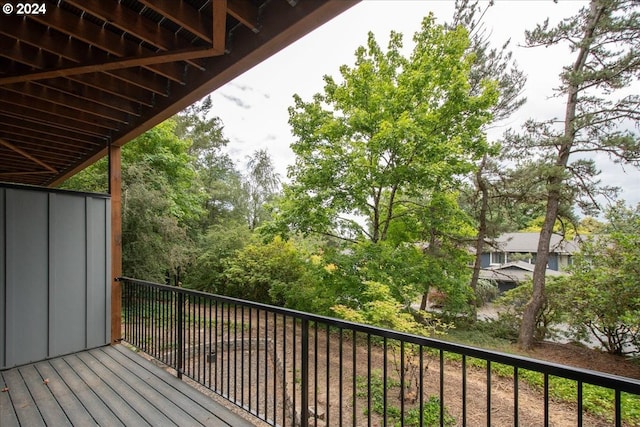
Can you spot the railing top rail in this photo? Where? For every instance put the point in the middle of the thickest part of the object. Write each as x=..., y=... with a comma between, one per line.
x=617, y=382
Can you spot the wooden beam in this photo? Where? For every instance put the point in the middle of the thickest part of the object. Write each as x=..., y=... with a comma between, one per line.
x=75, y=51
x=20, y=112
x=10, y=174
x=246, y=12
x=219, y=10
x=63, y=114
x=97, y=36
x=116, y=64
x=115, y=188
x=182, y=14
x=56, y=97
x=27, y=155
x=135, y=24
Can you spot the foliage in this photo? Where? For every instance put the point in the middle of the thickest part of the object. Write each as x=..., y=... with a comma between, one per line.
x=430, y=412
x=392, y=129
x=152, y=238
x=382, y=309
x=603, y=38
x=513, y=301
x=602, y=296
x=486, y=291
x=264, y=272
x=216, y=249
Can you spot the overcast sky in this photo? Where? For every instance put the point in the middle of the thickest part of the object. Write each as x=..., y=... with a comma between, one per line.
x=253, y=107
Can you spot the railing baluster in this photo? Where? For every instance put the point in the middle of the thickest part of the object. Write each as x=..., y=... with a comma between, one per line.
x=421, y=394
x=515, y=397
x=464, y=390
x=488, y=393
x=369, y=380
x=180, y=332
x=618, y=408
x=579, y=403
x=304, y=354
x=354, y=403
x=546, y=400
x=327, y=418
x=196, y=343
x=441, y=352
x=384, y=381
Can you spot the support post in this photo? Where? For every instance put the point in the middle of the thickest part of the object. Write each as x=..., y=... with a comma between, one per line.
x=115, y=189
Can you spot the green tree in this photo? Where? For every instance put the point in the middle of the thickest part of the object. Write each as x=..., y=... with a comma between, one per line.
x=389, y=131
x=602, y=296
x=604, y=39
x=264, y=272
x=214, y=251
x=261, y=183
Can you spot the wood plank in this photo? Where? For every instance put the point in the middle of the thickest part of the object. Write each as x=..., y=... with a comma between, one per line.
x=70, y=404
x=89, y=399
x=108, y=395
x=207, y=413
x=126, y=389
x=223, y=414
x=26, y=409
x=150, y=387
x=50, y=410
x=8, y=417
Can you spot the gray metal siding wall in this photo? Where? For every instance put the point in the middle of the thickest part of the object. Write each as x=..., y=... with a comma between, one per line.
x=54, y=274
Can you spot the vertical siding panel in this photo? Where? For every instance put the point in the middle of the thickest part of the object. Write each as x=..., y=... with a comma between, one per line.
x=107, y=269
x=27, y=273
x=68, y=287
x=3, y=282
x=98, y=285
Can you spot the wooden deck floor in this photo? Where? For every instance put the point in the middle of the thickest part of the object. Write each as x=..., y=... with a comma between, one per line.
x=107, y=386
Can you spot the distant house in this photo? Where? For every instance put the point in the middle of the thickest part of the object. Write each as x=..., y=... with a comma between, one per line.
x=511, y=259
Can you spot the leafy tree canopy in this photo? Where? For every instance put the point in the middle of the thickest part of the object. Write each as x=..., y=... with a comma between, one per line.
x=389, y=130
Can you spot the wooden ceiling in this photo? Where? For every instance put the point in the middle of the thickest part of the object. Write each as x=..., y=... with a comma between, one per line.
x=79, y=75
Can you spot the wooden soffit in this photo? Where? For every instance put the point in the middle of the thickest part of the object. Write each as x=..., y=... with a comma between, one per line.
x=79, y=75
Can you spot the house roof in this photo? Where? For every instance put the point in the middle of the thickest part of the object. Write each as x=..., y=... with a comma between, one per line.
x=79, y=75
x=516, y=271
x=528, y=243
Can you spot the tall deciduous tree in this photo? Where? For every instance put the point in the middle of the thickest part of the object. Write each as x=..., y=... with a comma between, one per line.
x=599, y=116
x=390, y=130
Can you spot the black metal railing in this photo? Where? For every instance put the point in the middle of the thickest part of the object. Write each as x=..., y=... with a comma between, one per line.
x=290, y=368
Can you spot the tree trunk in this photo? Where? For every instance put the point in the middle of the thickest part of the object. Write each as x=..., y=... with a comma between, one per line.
x=482, y=233
x=554, y=182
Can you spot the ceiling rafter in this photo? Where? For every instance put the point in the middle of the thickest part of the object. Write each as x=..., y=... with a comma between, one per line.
x=56, y=97
x=246, y=12
x=61, y=112
x=42, y=117
x=135, y=24
x=57, y=43
x=99, y=37
x=27, y=155
x=183, y=15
